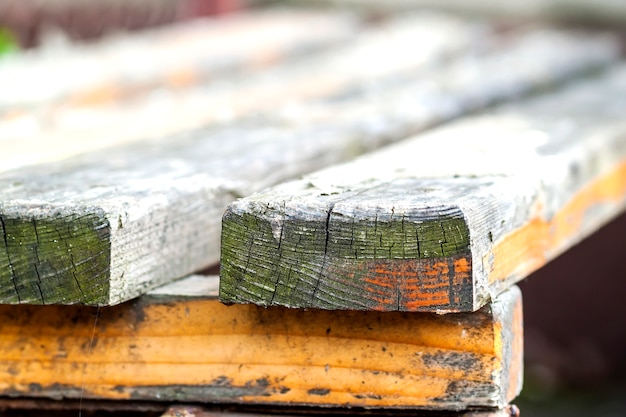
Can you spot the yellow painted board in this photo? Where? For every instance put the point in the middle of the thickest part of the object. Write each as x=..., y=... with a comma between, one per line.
x=177, y=347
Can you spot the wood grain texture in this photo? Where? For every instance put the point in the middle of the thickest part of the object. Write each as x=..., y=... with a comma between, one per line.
x=181, y=55
x=101, y=229
x=442, y=222
x=63, y=129
x=174, y=347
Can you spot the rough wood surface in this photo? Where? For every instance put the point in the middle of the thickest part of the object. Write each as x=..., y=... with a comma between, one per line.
x=442, y=222
x=181, y=55
x=173, y=347
x=101, y=229
x=63, y=129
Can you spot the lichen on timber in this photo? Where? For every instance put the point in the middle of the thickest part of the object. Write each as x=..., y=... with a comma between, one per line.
x=52, y=257
x=323, y=261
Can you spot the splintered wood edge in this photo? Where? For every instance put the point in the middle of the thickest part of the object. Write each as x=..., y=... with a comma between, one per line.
x=172, y=230
x=194, y=349
x=393, y=231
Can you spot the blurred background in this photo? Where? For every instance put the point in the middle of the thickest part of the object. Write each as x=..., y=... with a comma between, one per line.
x=25, y=23
x=575, y=330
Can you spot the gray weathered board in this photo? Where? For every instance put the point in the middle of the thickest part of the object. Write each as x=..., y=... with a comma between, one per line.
x=60, y=129
x=101, y=228
x=442, y=222
x=182, y=54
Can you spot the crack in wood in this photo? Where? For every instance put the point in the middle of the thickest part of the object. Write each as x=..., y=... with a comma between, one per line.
x=6, y=248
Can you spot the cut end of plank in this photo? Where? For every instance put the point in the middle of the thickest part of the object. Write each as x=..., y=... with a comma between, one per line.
x=391, y=230
x=53, y=257
x=315, y=254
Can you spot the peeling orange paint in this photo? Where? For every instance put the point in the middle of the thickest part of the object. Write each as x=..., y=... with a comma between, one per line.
x=413, y=284
x=531, y=246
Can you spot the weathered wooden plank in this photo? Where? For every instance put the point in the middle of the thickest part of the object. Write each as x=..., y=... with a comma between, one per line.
x=180, y=55
x=587, y=11
x=442, y=222
x=25, y=407
x=22, y=407
x=173, y=347
x=197, y=411
x=63, y=129
x=102, y=230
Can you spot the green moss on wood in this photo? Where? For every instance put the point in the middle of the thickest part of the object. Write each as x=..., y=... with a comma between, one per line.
x=320, y=262
x=57, y=258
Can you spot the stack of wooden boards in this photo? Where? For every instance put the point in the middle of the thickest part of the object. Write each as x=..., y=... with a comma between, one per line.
x=105, y=199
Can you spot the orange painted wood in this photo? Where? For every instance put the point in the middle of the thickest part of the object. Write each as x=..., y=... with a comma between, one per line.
x=170, y=346
x=513, y=256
